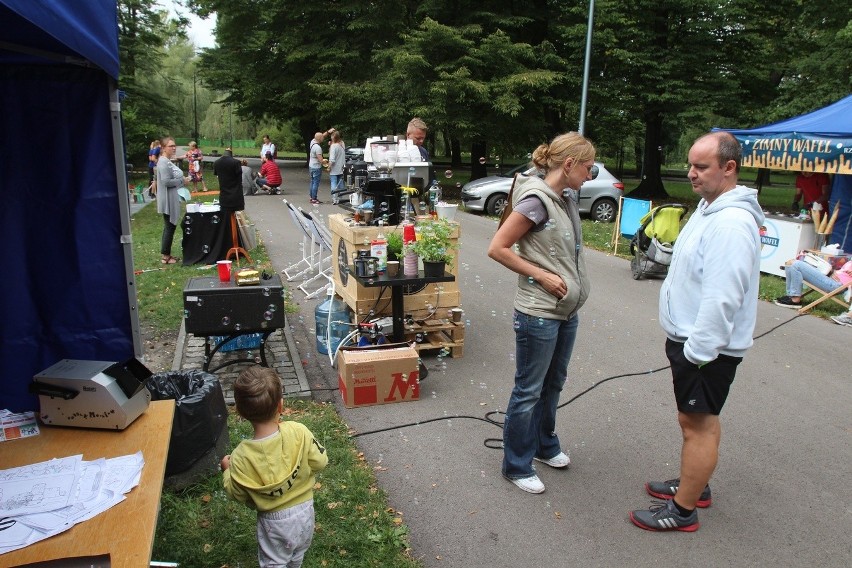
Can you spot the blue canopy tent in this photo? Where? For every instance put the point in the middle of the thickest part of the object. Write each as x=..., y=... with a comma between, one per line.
x=819, y=141
x=67, y=290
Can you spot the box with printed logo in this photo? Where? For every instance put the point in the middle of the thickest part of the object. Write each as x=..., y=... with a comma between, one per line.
x=378, y=375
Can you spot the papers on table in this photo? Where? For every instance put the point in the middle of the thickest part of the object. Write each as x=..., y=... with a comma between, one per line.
x=40, y=500
x=14, y=426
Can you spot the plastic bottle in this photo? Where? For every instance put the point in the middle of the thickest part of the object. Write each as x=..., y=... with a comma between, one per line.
x=379, y=249
x=340, y=318
x=434, y=198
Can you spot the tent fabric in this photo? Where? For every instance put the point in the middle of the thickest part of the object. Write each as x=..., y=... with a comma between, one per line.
x=819, y=141
x=85, y=30
x=65, y=291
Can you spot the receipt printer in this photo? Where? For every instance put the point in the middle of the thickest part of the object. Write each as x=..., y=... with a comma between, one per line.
x=92, y=394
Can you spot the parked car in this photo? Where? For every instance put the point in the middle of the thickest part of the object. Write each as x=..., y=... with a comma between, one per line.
x=599, y=197
x=354, y=154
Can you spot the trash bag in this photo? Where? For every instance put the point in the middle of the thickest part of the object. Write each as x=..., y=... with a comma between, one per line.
x=200, y=414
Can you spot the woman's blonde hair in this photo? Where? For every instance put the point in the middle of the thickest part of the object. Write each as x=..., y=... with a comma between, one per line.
x=569, y=145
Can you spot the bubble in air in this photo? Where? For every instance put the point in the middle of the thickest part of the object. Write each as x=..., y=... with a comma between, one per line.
x=448, y=174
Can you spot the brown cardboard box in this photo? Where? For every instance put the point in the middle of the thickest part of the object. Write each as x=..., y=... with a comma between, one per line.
x=378, y=375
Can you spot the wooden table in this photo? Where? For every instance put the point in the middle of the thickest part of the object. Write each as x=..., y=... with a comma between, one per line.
x=126, y=531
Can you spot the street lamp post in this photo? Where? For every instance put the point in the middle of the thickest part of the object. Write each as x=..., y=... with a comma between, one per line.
x=582, y=128
x=194, y=107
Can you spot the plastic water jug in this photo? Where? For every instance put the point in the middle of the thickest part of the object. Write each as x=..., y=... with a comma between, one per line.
x=340, y=318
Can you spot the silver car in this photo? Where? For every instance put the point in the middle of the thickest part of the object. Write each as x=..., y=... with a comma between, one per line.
x=599, y=197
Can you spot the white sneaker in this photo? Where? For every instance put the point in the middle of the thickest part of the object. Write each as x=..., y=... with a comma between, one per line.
x=842, y=319
x=559, y=460
x=530, y=484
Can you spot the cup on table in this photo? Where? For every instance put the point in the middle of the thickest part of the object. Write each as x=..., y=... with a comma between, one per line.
x=224, y=270
x=393, y=268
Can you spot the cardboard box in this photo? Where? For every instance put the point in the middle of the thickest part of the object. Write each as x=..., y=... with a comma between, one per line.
x=378, y=375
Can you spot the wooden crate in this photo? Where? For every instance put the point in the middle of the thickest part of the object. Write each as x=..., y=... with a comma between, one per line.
x=348, y=239
x=437, y=334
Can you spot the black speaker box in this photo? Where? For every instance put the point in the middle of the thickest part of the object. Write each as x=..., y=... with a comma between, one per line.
x=212, y=307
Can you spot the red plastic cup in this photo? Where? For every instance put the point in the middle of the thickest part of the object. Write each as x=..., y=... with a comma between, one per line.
x=408, y=233
x=224, y=270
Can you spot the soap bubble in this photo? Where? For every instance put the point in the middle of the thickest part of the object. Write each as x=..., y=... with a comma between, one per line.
x=267, y=315
x=266, y=292
x=482, y=160
x=187, y=231
x=448, y=174
x=200, y=302
x=226, y=320
x=237, y=327
x=215, y=219
x=205, y=249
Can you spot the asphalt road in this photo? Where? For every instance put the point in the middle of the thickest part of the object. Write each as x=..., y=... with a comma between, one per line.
x=781, y=492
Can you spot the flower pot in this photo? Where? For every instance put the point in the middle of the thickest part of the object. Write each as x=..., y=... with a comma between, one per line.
x=432, y=268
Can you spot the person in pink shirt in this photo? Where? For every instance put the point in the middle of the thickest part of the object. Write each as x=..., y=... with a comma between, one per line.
x=802, y=271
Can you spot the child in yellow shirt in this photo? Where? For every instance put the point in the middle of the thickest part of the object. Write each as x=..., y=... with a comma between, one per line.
x=274, y=471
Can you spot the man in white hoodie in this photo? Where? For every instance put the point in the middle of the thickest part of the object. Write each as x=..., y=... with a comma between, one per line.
x=708, y=307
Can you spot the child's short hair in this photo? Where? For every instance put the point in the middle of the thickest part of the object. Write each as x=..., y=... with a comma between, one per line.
x=257, y=392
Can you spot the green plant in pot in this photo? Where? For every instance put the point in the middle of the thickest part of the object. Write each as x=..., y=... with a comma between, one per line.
x=394, y=245
x=434, y=247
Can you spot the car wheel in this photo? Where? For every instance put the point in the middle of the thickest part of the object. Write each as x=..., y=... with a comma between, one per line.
x=496, y=203
x=604, y=210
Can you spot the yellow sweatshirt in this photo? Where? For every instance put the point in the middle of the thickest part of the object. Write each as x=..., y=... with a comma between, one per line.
x=276, y=472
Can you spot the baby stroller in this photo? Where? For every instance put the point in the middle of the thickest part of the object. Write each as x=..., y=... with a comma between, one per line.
x=653, y=242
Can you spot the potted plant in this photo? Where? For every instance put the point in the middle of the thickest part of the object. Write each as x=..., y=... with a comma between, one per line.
x=434, y=247
x=394, y=245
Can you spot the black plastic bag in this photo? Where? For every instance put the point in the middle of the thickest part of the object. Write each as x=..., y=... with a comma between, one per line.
x=200, y=414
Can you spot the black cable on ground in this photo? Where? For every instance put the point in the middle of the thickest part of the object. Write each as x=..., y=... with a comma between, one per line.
x=497, y=443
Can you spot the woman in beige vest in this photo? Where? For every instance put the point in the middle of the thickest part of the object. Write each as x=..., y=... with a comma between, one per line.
x=552, y=286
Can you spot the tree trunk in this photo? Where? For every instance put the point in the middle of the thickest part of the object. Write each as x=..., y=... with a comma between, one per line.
x=455, y=160
x=651, y=186
x=477, y=151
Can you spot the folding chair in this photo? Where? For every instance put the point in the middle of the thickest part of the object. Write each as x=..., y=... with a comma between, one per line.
x=325, y=247
x=834, y=296
x=310, y=247
x=628, y=220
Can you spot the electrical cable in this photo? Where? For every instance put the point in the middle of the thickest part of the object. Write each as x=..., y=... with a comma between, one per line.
x=497, y=443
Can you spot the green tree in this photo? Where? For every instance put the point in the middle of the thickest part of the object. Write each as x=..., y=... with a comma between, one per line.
x=144, y=32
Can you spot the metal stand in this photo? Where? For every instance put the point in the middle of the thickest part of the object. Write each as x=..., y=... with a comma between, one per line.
x=208, y=353
x=236, y=249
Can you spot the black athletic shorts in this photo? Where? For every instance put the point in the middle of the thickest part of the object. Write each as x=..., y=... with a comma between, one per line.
x=700, y=390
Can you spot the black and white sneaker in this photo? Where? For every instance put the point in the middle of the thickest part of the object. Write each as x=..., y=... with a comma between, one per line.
x=788, y=302
x=664, y=517
x=667, y=490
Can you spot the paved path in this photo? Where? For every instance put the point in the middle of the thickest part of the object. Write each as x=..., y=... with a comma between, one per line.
x=781, y=493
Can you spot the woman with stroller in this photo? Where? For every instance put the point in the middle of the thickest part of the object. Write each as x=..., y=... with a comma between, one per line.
x=552, y=286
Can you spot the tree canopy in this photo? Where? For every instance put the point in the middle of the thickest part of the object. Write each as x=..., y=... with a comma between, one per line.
x=504, y=76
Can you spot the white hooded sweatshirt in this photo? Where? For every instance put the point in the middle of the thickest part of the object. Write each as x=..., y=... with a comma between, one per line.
x=709, y=298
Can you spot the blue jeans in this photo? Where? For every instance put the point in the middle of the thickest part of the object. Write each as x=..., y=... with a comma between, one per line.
x=801, y=270
x=542, y=351
x=336, y=182
x=315, y=181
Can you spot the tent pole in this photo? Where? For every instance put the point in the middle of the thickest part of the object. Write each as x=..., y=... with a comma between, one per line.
x=124, y=209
